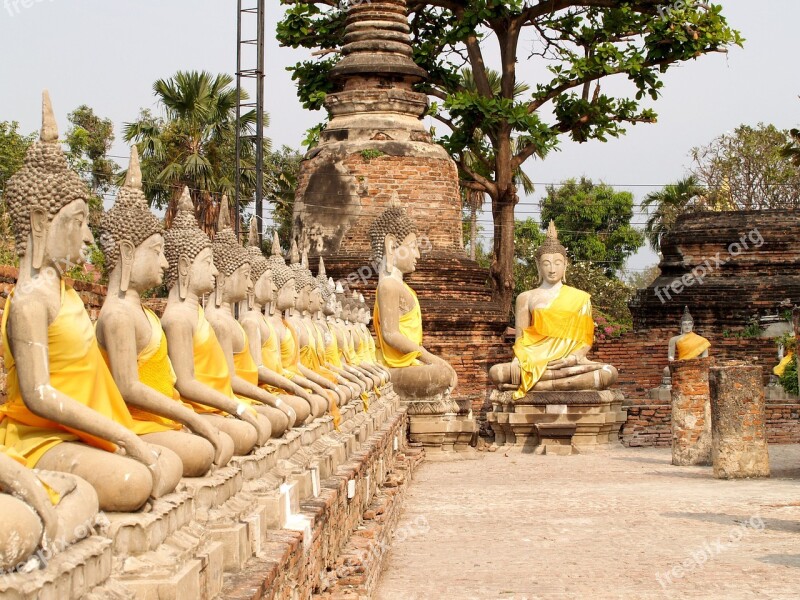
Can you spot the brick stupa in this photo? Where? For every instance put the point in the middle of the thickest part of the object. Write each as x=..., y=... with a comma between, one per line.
x=376, y=151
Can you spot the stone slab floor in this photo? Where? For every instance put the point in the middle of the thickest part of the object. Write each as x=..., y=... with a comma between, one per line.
x=623, y=523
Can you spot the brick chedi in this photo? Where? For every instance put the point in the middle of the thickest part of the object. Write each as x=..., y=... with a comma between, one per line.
x=375, y=151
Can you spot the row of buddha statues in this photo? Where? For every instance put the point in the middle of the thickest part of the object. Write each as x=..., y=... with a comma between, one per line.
x=106, y=416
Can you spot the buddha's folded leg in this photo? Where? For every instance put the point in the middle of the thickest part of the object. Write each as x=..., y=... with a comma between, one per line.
x=20, y=531
x=171, y=467
x=122, y=484
x=243, y=434
x=196, y=453
x=421, y=380
x=300, y=406
x=77, y=505
x=318, y=405
x=278, y=421
x=569, y=371
x=597, y=379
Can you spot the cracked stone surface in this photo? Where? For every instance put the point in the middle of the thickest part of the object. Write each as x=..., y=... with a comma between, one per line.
x=623, y=523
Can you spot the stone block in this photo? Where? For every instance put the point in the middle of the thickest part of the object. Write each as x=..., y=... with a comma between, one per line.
x=183, y=585
x=235, y=544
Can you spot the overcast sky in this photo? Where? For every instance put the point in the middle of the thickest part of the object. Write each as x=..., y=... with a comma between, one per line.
x=108, y=54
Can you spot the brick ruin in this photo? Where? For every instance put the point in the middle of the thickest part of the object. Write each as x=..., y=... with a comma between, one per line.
x=375, y=151
x=751, y=284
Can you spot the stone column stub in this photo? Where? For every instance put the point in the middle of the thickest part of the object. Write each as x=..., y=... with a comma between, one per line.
x=738, y=421
x=691, y=412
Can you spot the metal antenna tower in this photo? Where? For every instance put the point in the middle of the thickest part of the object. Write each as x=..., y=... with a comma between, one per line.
x=250, y=17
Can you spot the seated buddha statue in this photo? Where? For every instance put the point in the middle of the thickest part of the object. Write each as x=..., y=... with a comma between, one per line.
x=341, y=341
x=326, y=343
x=311, y=363
x=415, y=372
x=232, y=286
x=369, y=359
x=293, y=368
x=64, y=412
x=688, y=344
x=555, y=331
x=263, y=340
x=38, y=509
x=132, y=340
x=202, y=375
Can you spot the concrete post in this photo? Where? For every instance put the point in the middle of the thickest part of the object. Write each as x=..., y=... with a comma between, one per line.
x=691, y=412
x=738, y=421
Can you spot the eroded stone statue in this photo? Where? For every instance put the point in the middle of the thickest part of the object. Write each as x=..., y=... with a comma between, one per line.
x=263, y=340
x=232, y=286
x=38, y=509
x=555, y=331
x=131, y=336
x=203, y=378
x=415, y=372
x=64, y=411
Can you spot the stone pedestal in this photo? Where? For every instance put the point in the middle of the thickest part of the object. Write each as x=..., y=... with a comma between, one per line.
x=555, y=422
x=440, y=424
x=691, y=412
x=738, y=421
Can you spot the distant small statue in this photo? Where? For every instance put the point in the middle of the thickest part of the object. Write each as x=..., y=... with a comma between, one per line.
x=688, y=344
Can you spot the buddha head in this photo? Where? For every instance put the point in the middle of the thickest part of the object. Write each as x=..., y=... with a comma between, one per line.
x=263, y=290
x=338, y=295
x=363, y=310
x=283, y=277
x=303, y=279
x=687, y=322
x=131, y=237
x=551, y=258
x=48, y=203
x=231, y=260
x=393, y=237
x=189, y=254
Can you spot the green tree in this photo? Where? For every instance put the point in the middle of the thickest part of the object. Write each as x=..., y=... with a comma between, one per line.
x=282, y=168
x=748, y=170
x=792, y=148
x=578, y=43
x=89, y=139
x=13, y=146
x=594, y=222
x=527, y=238
x=194, y=144
x=667, y=204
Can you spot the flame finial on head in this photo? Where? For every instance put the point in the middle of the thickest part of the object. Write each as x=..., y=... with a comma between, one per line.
x=252, y=236
x=133, y=179
x=49, y=132
x=551, y=245
x=224, y=218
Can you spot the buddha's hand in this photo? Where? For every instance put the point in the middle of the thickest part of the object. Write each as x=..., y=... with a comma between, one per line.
x=49, y=519
x=207, y=431
x=147, y=455
x=288, y=411
x=570, y=360
x=219, y=448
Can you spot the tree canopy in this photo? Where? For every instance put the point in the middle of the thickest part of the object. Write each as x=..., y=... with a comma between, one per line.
x=580, y=43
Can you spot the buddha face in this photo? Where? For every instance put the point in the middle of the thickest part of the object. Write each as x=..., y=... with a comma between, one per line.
x=302, y=302
x=287, y=296
x=68, y=235
x=202, y=273
x=315, y=300
x=406, y=254
x=687, y=327
x=552, y=268
x=330, y=306
x=149, y=264
x=238, y=284
x=265, y=288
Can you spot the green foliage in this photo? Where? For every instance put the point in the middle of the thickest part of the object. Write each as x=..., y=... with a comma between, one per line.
x=13, y=146
x=369, y=154
x=788, y=380
x=610, y=296
x=527, y=237
x=792, y=148
x=593, y=222
x=748, y=169
x=282, y=168
x=666, y=205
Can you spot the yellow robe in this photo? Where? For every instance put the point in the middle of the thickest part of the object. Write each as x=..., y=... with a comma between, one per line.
x=289, y=352
x=410, y=325
x=271, y=357
x=556, y=331
x=243, y=362
x=155, y=370
x=332, y=354
x=77, y=370
x=691, y=345
x=781, y=366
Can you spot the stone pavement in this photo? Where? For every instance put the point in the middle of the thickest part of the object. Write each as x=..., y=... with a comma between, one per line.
x=623, y=523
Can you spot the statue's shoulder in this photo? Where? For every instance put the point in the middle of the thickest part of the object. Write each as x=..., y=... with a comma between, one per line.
x=576, y=292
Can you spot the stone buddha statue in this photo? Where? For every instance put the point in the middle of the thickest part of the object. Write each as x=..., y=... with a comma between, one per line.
x=322, y=304
x=232, y=286
x=342, y=339
x=555, y=331
x=263, y=340
x=38, y=509
x=132, y=340
x=311, y=363
x=203, y=378
x=64, y=411
x=688, y=344
x=415, y=372
x=370, y=359
x=285, y=300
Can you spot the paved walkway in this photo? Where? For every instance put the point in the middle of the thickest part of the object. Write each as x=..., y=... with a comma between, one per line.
x=621, y=524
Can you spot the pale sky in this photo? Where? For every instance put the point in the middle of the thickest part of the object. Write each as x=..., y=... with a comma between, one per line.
x=108, y=54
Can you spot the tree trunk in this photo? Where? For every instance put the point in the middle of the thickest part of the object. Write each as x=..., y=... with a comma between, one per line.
x=502, y=269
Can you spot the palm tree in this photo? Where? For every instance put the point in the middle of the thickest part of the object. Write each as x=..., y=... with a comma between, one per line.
x=671, y=202
x=194, y=144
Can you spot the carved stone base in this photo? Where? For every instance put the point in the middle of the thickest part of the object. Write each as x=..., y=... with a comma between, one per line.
x=551, y=422
x=440, y=424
